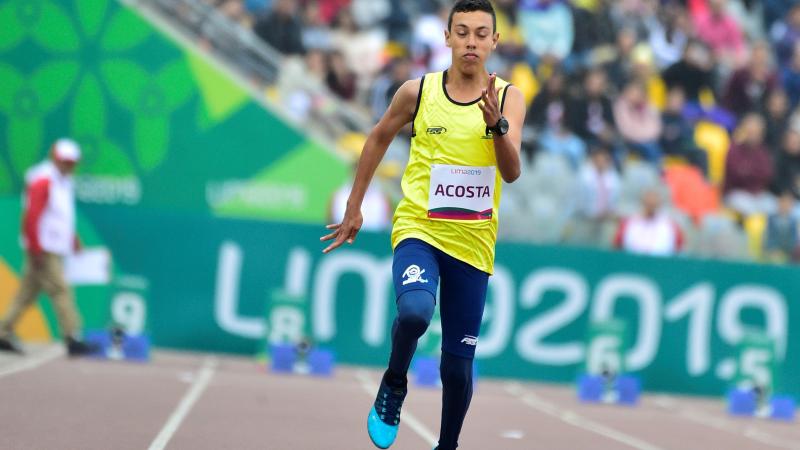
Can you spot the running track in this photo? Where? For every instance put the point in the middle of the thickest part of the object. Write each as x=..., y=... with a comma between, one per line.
x=212, y=402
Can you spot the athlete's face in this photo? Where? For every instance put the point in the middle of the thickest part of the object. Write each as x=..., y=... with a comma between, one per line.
x=472, y=38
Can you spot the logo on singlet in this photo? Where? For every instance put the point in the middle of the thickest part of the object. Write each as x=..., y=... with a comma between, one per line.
x=437, y=130
x=470, y=340
x=413, y=274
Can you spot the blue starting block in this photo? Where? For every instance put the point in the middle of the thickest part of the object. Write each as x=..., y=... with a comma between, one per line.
x=745, y=403
x=623, y=390
x=287, y=358
x=425, y=370
x=116, y=345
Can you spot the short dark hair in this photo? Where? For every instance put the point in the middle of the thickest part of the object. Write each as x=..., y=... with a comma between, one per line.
x=472, y=5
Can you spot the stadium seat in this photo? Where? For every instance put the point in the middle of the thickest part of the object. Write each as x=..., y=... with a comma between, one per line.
x=690, y=191
x=721, y=238
x=522, y=77
x=715, y=140
x=754, y=226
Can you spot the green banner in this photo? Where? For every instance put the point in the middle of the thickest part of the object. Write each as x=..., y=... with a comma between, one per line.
x=160, y=125
x=212, y=280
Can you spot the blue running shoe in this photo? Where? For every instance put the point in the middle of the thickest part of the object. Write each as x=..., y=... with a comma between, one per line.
x=384, y=417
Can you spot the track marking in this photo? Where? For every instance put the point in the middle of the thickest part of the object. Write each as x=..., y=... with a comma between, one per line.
x=722, y=423
x=370, y=387
x=185, y=406
x=33, y=361
x=576, y=420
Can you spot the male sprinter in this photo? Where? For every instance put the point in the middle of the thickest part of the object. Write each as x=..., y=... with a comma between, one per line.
x=466, y=139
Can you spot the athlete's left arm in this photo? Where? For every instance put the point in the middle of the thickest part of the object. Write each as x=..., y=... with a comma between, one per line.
x=506, y=147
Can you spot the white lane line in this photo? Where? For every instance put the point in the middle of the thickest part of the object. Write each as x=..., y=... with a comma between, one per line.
x=371, y=388
x=186, y=404
x=33, y=361
x=576, y=420
x=723, y=424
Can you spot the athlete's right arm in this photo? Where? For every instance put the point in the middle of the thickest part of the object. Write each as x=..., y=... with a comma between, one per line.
x=400, y=112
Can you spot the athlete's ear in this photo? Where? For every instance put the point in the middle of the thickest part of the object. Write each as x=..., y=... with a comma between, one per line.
x=447, y=37
x=495, y=39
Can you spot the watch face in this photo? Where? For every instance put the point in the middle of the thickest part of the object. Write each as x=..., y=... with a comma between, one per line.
x=502, y=125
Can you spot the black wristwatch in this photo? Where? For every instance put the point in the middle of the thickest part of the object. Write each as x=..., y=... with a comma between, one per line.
x=500, y=128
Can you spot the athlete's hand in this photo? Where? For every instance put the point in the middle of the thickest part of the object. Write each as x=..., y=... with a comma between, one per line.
x=489, y=103
x=343, y=232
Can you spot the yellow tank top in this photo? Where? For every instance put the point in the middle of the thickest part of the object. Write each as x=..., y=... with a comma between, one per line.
x=451, y=185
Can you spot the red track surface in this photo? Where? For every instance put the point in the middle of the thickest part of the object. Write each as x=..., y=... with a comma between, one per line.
x=204, y=402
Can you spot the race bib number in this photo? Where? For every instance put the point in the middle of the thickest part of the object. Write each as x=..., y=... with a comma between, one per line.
x=461, y=192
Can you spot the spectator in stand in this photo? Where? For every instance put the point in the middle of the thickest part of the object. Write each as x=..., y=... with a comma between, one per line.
x=590, y=114
x=547, y=27
x=749, y=170
x=340, y=79
x=775, y=11
x=596, y=30
x=620, y=67
x=557, y=139
x=386, y=85
x=281, y=28
x=428, y=42
x=330, y=9
x=677, y=136
x=315, y=34
x=749, y=86
x=362, y=48
x=235, y=11
x=550, y=102
x=650, y=232
x=787, y=167
x=780, y=237
x=776, y=113
x=790, y=77
x=669, y=35
x=720, y=31
x=639, y=122
x=785, y=35
x=376, y=207
x=598, y=196
x=693, y=73
x=633, y=14
x=368, y=14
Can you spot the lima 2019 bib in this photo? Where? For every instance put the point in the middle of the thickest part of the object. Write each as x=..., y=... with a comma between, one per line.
x=461, y=192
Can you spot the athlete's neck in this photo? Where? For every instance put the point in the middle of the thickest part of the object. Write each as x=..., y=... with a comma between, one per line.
x=466, y=86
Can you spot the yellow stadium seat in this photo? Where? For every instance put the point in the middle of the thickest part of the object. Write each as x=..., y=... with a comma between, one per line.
x=524, y=79
x=351, y=144
x=707, y=98
x=755, y=225
x=715, y=141
x=671, y=161
x=657, y=92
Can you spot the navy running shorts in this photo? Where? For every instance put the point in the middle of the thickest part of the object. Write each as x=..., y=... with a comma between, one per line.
x=419, y=265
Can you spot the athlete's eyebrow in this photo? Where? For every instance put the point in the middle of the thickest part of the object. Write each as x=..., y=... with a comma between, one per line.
x=482, y=27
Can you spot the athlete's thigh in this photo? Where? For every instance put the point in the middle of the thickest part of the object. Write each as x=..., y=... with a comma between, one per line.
x=461, y=302
x=414, y=266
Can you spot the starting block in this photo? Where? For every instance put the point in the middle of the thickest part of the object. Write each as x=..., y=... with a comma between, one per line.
x=425, y=370
x=115, y=344
x=753, y=393
x=298, y=359
x=622, y=390
x=746, y=403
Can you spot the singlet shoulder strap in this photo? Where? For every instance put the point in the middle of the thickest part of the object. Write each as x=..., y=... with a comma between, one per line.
x=503, y=100
x=416, y=108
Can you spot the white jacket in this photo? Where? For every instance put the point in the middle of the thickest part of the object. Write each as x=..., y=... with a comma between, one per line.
x=55, y=228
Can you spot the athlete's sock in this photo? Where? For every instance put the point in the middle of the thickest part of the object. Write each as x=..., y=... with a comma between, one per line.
x=414, y=313
x=456, y=374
